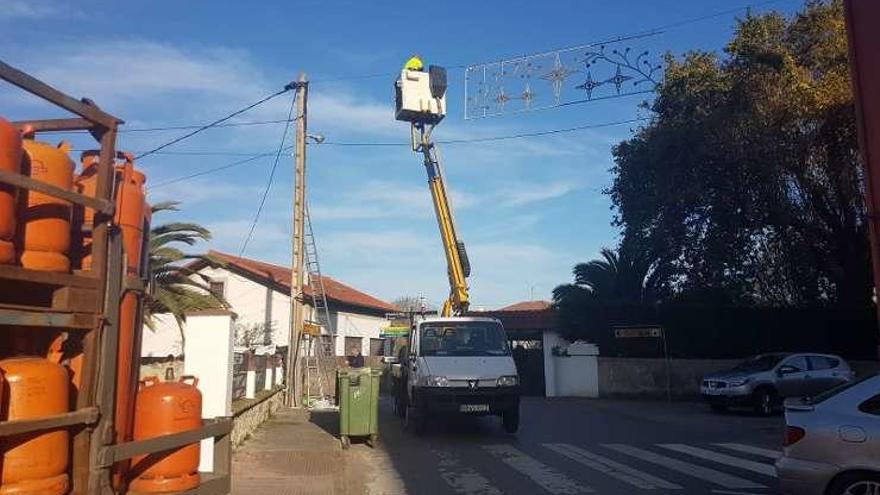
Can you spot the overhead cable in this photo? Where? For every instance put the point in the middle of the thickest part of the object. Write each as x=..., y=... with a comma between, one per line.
x=250, y=234
x=219, y=121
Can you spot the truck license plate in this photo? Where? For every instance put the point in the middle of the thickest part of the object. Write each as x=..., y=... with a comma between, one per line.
x=474, y=408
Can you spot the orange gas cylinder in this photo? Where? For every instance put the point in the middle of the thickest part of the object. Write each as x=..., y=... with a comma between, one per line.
x=163, y=408
x=34, y=463
x=130, y=200
x=10, y=161
x=86, y=182
x=47, y=219
x=130, y=203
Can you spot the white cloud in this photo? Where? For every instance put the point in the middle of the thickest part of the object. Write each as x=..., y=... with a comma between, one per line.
x=520, y=194
x=28, y=9
x=385, y=199
x=189, y=193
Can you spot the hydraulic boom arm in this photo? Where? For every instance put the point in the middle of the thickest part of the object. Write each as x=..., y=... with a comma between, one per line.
x=457, y=265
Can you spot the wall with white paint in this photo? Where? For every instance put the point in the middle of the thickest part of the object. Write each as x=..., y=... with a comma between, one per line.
x=248, y=301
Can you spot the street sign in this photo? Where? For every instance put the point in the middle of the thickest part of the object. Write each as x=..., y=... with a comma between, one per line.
x=638, y=332
x=311, y=329
x=394, y=331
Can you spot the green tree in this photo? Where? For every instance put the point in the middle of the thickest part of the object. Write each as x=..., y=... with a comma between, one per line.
x=175, y=287
x=624, y=275
x=746, y=181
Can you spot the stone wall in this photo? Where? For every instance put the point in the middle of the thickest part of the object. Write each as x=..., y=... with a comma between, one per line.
x=646, y=377
x=249, y=414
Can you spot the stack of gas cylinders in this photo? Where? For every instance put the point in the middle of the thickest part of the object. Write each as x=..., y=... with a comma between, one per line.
x=41, y=368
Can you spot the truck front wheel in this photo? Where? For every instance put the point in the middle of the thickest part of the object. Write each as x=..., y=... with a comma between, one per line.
x=510, y=420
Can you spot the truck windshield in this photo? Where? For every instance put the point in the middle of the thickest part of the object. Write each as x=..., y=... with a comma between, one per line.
x=474, y=338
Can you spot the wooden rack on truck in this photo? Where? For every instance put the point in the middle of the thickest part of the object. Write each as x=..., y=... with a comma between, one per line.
x=78, y=312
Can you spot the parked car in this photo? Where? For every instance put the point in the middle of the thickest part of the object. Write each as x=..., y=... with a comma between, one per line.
x=832, y=442
x=763, y=381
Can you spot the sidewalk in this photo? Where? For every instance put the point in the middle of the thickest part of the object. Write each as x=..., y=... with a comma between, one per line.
x=297, y=453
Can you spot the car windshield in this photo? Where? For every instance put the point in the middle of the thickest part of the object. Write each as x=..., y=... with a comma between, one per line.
x=463, y=339
x=764, y=362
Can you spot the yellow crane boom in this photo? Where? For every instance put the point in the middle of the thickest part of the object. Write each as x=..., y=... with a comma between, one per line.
x=420, y=99
x=457, y=264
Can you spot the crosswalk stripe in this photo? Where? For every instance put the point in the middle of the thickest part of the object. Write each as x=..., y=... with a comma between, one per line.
x=750, y=449
x=717, y=477
x=550, y=479
x=463, y=479
x=755, y=467
x=604, y=465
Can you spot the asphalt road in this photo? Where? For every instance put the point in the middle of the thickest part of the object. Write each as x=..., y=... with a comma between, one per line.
x=572, y=446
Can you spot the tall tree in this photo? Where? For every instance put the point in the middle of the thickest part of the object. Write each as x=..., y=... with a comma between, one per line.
x=624, y=275
x=746, y=182
x=175, y=287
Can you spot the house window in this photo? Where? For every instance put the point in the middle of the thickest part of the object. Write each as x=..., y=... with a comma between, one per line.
x=376, y=347
x=353, y=346
x=218, y=288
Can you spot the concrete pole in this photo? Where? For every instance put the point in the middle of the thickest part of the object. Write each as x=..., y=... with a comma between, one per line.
x=294, y=371
x=862, y=18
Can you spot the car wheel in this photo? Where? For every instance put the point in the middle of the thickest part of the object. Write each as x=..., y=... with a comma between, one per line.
x=718, y=408
x=764, y=401
x=855, y=484
x=510, y=420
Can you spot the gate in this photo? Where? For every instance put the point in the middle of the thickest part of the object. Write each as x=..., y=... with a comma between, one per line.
x=528, y=354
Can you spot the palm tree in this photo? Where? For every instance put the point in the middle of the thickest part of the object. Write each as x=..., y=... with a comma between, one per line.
x=625, y=275
x=175, y=287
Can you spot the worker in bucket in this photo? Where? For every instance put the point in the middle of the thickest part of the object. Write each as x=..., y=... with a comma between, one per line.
x=414, y=63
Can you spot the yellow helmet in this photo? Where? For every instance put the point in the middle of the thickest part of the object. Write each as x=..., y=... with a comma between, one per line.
x=414, y=63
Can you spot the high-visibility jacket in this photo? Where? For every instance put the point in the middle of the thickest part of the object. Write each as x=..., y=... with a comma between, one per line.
x=414, y=63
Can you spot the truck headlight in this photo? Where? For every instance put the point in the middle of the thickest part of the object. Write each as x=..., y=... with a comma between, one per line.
x=739, y=382
x=508, y=381
x=435, y=381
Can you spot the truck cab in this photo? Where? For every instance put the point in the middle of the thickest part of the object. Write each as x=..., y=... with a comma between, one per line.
x=457, y=365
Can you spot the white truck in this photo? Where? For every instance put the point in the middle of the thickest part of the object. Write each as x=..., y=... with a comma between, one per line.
x=456, y=365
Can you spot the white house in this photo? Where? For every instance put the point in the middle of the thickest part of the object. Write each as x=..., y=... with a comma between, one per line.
x=259, y=294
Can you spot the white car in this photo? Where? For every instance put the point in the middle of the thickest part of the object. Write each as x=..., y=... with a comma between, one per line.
x=832, y=442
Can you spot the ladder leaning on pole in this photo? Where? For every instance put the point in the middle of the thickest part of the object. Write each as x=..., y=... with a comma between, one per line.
x=317, y=359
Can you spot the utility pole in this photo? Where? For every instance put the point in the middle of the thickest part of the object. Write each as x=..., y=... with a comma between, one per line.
x=297, y=279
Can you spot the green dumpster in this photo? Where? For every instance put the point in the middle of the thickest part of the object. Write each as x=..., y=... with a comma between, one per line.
x=357, y=392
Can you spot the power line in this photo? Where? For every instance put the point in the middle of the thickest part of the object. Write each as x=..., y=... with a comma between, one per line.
x=495, y=138
x=215, y=169
x=183, y=127
x=256, y=156
x=196, y=126
x=286, y=88
x=629, y=36
x=269, y=182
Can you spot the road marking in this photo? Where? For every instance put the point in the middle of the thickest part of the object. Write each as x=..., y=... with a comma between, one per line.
x=604, y=465
x=755, y=467
x=463, y=479
x=750, y=449
x=729, y=492
x=550, y=479
x=717, y=477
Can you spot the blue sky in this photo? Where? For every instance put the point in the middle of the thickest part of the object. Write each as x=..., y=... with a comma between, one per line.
x=528, y=209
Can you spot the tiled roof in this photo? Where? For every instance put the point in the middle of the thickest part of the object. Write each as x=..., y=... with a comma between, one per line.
x=527, y=306
x=527, y=315
x=334, y=290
